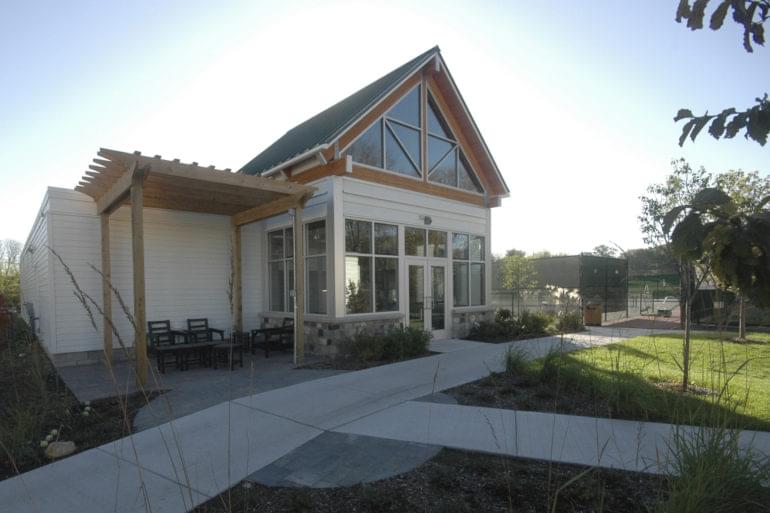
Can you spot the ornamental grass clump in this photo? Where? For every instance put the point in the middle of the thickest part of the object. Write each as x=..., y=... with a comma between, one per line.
x=710, y=471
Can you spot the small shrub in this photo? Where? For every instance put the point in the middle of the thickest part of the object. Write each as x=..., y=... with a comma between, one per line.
x=367, y=347
x=497, y=331
x=533, y=323
x=710, y=472
x=516, y=361
x=503, y=314
x=405, y=342
x=398, y=344
x=569, y=322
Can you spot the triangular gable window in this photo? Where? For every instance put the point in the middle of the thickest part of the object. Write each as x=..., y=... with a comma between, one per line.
x=397, y=135
x=393, y=142
x=407, y=110
x=446, y=163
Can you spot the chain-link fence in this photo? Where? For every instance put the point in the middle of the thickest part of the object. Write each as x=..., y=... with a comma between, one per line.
x=568, y=282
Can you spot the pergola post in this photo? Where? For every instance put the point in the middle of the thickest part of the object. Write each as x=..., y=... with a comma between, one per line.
x=106, y=290
x=299, y=287
x=237, y=291
x=137, y=248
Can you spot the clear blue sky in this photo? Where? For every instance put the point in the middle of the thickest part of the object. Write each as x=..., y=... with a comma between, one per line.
x=575, y=99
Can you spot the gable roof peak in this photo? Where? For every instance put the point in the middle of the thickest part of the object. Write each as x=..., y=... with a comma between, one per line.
x=318, y=132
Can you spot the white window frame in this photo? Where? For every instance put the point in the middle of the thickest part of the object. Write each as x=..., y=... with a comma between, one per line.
x=373, y=255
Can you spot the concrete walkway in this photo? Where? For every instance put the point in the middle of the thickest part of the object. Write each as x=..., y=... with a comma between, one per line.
x=609, y=443
x=179, y=464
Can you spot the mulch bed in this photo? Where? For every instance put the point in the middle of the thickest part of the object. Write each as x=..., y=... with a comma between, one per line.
x=514, y=392
x=459, y=481
x=34, y=400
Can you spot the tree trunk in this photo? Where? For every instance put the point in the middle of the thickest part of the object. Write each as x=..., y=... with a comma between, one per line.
x=741, y=317
x=686, y=348
x=687, y=286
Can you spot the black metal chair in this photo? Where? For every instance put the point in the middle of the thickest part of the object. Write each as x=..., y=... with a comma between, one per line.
x=200, y=338
x=199, y=331
x=163, y=343
x=230, y=351
x=274, y=339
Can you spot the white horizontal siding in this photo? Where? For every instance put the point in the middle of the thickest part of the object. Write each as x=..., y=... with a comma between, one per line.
x=187, y=265
x=366, y=200
x=36, y=279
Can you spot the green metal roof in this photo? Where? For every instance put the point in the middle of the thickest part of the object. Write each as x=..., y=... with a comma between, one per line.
x=325, y=127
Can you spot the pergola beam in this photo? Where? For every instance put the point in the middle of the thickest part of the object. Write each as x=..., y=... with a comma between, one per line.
x=117, y=192
x=267, y=210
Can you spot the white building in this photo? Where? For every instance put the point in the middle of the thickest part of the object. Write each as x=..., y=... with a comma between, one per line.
x=396, y=228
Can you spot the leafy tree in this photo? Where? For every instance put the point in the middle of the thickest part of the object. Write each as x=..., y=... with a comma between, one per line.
x=605, y=251
x=755, y=120
x=10, y=252
x=517, y=272
x=732, y=243
x=747, y=190
x=679, y=188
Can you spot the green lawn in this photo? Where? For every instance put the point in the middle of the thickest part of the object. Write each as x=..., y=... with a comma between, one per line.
x=636, y=379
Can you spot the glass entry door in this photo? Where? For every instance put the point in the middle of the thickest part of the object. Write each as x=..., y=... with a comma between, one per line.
x=427, y=297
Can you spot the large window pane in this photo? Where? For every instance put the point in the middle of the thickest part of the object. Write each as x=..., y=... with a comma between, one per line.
x=436, y=124
x=395, y=157
x=437, y=149
x=358, y=236
x=275, y=244
x=277, y=286
x=410, y=139
x=445, y=171
x=316, y=238
x=316, y=285
x=477, y=284
x=414, y=240
x=465, y=176
x=368, y=148
x=460, y=246
x=385, y=239
x=477, y=247
x=386, y=284
x=436, y=244
x=460, y=279
x=358, y=279
x=408, y=109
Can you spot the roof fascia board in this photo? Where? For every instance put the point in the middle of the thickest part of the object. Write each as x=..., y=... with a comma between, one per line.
x=473, y=123
x=313, y=152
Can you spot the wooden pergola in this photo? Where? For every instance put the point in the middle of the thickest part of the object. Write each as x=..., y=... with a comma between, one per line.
x=118, y=178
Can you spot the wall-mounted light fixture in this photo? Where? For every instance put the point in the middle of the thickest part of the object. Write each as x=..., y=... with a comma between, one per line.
x=427, y=220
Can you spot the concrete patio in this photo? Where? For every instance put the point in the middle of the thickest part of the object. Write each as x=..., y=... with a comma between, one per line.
x=177, y=465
